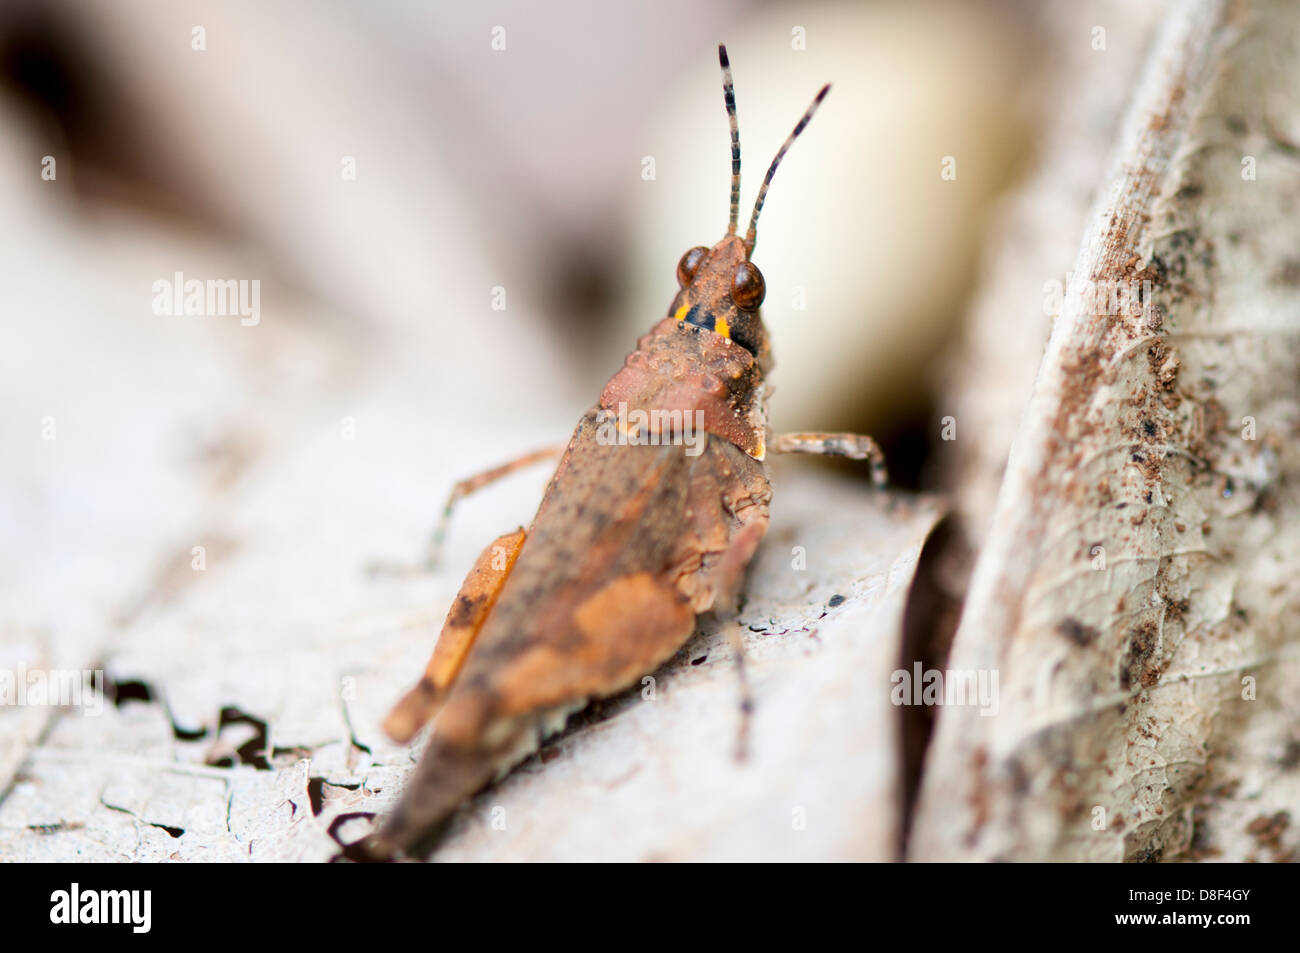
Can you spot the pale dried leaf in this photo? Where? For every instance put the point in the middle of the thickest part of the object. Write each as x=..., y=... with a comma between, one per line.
x=1127, y=727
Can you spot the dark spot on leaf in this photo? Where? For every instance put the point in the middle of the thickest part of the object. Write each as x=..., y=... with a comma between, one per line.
x=253, y=751
x=131, y=690
x=1076, y=631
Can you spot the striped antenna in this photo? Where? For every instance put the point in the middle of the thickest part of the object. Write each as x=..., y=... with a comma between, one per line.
x=729, y=97
x=752, y=234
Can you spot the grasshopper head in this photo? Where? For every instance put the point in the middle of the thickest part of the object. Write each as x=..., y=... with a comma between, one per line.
x=721, y=290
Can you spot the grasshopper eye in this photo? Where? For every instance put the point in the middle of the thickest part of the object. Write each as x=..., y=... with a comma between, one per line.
x=748, y=289
x=690, y=264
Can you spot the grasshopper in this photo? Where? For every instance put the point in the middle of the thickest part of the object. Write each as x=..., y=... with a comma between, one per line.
x=654, y=512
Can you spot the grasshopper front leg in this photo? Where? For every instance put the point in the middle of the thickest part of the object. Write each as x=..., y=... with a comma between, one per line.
x=471, y=485
x=851, y=445
x=463, y=488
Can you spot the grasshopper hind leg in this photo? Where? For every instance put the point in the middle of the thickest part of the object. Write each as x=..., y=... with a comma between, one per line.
x=404, y=831
x=469, y=610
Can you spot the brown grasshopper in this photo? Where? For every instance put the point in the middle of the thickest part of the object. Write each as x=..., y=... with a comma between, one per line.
x=653, y=514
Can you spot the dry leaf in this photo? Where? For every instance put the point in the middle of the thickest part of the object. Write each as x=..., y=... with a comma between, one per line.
x=1138, y=592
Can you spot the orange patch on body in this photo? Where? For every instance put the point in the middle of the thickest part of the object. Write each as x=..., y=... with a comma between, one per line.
x=623, y=631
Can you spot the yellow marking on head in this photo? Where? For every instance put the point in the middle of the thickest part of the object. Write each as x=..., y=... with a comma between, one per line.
x=721, y=326
x=681, y=312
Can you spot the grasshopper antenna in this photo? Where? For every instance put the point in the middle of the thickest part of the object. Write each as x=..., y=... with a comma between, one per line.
x=729, y=97
x=752, y=235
